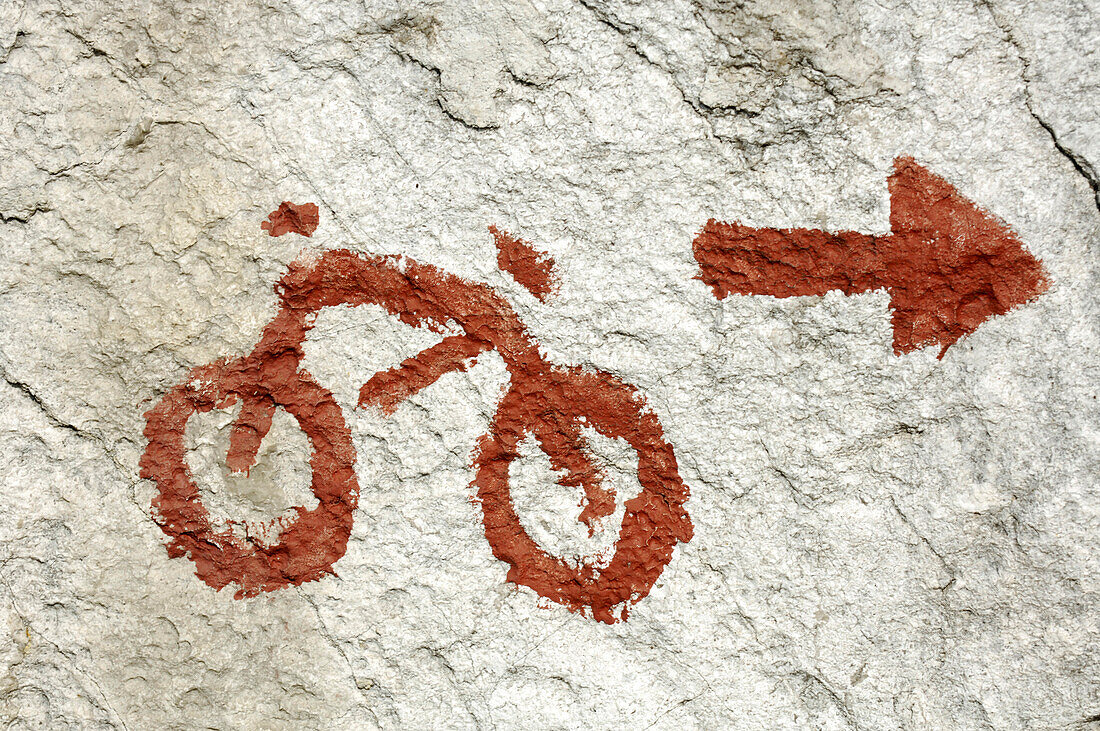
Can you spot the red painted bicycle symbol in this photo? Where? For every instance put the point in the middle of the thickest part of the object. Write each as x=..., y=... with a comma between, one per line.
x=548, y=402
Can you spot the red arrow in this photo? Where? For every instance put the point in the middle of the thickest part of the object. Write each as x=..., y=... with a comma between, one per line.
x=947, y=264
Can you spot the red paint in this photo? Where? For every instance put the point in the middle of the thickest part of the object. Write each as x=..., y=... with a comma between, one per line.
x=947, y=264
x=266, y=379
x=533, y=269
x=389, y=388
x=543, y=400
x=290, y=218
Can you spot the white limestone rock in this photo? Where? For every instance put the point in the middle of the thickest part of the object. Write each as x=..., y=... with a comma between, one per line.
x=880, y=541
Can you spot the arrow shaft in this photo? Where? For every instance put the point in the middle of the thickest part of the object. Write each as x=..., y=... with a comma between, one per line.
x=790, y=262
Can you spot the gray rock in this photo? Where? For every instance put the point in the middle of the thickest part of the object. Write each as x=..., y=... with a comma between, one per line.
x=880, y=541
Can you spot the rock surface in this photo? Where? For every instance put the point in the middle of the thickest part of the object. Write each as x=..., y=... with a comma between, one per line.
x=880, y=541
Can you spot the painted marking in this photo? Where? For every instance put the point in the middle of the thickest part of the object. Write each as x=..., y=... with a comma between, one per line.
x=529, y=267
x=551, y=403
x=291, y=218
x=947, y=264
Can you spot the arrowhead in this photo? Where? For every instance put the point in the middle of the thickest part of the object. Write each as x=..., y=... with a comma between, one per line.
x=949, y=265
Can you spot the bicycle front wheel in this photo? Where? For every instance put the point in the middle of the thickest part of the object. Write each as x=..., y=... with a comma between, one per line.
x=551, y=406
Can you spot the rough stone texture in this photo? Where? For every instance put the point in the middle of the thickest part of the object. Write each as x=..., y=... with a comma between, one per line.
x=881, y=542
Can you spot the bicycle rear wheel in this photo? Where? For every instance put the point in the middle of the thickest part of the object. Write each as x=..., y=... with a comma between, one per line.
x=309, y=543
